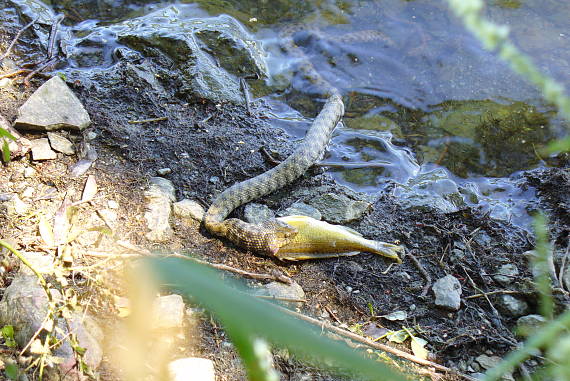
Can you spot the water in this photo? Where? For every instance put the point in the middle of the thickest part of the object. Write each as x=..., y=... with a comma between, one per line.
x=424, y=101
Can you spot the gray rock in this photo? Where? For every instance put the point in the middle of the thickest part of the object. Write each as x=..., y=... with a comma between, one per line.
x=488, y=362
x=513, y=306
x=60, y=144
x=191, y=369
x=257, y=213
x=529, y=324
x=164, y=171
x=338, y=208
x=52, y=106
x=302, y=209
x=506, y=274
x=159, y=197
x=282, y=290
x=188, y=209
x=41, y=150
x=25, y=305
x=447, y=291
x=168, y=312
x=428, y=191
x=456, y=255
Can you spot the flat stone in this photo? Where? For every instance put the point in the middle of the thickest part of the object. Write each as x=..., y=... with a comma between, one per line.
x=302, y=209
x=42, y=263
x=257, y=213
x=488, y=362
x=60, y=144
x=188, y=209
x=191, y=369
x=159, y=197
x=52, y=106
x=447, y=292
x=41, y=150
x=168, y=312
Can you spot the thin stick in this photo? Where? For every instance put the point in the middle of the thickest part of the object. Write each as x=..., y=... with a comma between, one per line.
x=423, y=272
x=563, y=268
x=53, y=35
x=503, y=292
x=15, y=73
x=332, y=314
x=142, y=252
x=382, y=347
x=38, y=69
x=281, y=298
x=17, y=37
x=245, y=90
x=159, y=119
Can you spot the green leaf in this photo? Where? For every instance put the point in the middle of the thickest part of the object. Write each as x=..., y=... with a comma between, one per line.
x=245, y=317
x=5, y=152
x=560, y=145
x=398, y=336
x=8, y=335
x=12, y=371
x=6, y=134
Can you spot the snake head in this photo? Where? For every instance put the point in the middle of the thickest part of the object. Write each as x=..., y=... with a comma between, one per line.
x=277, y=234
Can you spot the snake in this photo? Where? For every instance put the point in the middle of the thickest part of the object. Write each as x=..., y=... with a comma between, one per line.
x=267, y=237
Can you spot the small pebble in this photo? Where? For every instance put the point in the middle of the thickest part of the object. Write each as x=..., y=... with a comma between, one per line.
x=164, y=171
x=112, y=204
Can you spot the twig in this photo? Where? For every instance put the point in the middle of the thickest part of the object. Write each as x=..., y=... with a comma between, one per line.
x=281, y=298
x=41, y=67
x=52, y=36
x=17, y=37
x=245, y=90
x=563, y=268
x=332, y=314
x=423, y=272
x=159, y=119
x=503, y=292
x=15, y=73
x=143, y=252
x=269, y=157
x=370, y=343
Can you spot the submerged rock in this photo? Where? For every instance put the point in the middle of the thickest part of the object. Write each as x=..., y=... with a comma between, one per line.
x=190, y=44
x=52, y=106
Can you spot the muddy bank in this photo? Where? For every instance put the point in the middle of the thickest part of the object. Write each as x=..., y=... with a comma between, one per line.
x=209, y=145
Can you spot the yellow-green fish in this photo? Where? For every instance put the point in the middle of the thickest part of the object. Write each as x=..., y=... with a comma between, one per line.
x=319, y=239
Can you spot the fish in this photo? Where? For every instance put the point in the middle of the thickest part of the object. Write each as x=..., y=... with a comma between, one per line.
x=319, y=239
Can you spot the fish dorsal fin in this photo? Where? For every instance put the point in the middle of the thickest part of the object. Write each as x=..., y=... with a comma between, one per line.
x=350, y=230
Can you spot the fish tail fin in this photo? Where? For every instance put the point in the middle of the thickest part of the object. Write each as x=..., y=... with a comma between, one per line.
x=387, y=250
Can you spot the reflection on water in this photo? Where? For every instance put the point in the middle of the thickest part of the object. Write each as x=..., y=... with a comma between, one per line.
x=418, y=88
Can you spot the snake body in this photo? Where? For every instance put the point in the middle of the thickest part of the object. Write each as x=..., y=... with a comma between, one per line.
x=268, y=237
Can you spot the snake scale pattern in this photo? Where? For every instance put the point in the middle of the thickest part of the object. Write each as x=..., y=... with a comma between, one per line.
x=268, y=237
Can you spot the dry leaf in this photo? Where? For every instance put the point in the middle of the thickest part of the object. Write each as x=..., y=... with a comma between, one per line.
x=46, y=231
x=418, y=347
x=90, y=189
